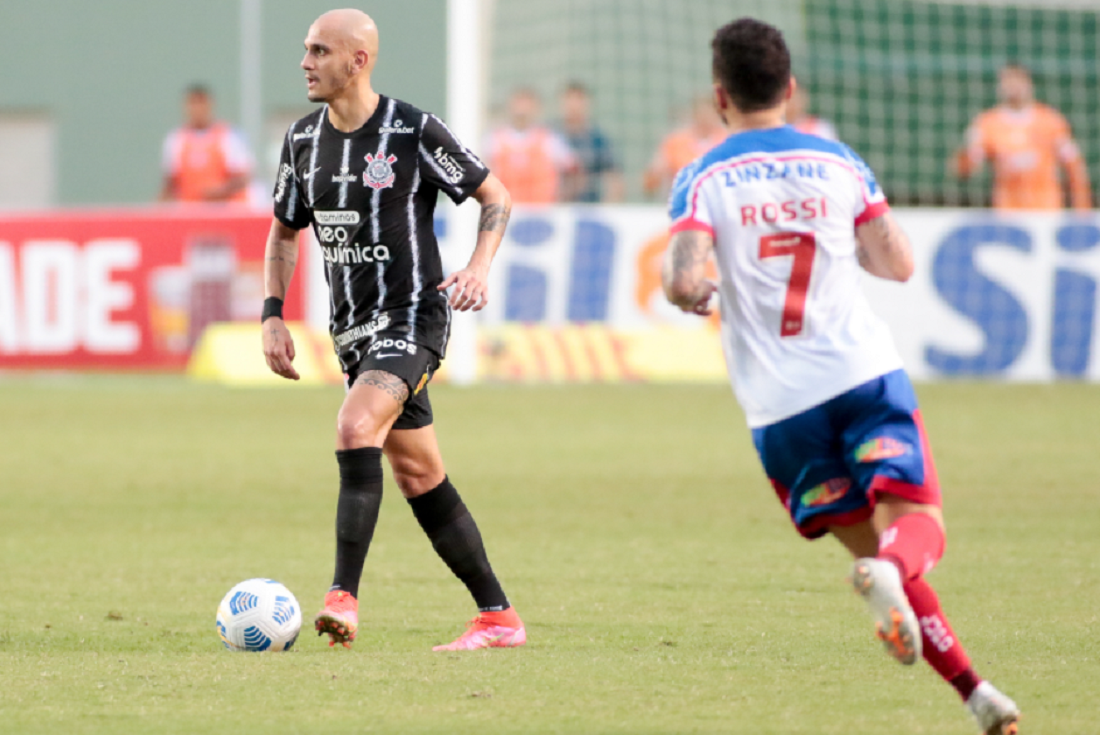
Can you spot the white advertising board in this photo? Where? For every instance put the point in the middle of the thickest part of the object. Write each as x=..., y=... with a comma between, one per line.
x=1011, y=297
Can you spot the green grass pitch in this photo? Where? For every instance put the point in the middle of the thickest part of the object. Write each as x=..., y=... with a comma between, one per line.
x=662, y=587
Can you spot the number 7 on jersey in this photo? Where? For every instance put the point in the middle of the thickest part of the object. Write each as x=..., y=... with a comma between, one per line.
x=802, y=246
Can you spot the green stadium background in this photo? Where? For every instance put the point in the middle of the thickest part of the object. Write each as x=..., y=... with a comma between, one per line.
x=900, y=79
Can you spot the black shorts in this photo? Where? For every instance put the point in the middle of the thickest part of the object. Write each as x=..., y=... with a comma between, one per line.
x=413, y=363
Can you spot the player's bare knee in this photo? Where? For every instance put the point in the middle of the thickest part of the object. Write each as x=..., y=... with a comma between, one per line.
x=359, y=428
x=352, y=432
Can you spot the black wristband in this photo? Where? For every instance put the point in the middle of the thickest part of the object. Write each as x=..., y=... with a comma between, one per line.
x=272, y=307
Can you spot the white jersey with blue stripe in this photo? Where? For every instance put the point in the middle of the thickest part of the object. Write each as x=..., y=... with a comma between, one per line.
x=782, y=207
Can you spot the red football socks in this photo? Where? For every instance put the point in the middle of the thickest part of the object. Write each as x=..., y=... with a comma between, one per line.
x=914, y=543
x=942, y=650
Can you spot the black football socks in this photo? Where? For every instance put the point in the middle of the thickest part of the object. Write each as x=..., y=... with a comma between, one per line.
x=453, y=533
x=356, y=513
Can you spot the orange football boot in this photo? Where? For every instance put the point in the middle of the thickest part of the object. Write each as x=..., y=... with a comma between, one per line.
x=501, y=629
x=339, y=618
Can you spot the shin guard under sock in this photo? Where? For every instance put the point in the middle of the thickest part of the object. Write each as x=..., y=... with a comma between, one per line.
x=942, y=649
x=914, y=543
x=454, y=535
x=356, y=513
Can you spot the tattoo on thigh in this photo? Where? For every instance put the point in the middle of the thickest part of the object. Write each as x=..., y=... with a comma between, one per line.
x=387, y=382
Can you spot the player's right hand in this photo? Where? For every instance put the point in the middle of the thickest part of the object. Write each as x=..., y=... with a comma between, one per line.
x=279, y=348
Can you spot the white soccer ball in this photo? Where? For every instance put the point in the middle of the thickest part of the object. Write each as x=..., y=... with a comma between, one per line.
x=259, y=615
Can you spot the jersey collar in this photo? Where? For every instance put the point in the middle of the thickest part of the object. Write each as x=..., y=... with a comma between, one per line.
x=370, y=127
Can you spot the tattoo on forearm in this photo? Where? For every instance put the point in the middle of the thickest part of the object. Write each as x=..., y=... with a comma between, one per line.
x=387, y=382
x=279, y=253
x=685, y=265
x=494, y=218
x=689, y=252
x=880, y=229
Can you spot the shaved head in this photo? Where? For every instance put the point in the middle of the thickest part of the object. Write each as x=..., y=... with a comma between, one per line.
x=341, y=51
x=350, y=30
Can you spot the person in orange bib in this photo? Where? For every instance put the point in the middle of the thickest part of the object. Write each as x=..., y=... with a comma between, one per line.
x=684, y=145
x=527, y=157
x=1027, y=143
x=204, y=160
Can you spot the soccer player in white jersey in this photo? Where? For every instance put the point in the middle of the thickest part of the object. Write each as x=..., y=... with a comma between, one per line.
x=792, y=220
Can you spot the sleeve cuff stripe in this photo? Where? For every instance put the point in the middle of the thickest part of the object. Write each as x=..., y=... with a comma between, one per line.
x=871, y=212
x=692, y=225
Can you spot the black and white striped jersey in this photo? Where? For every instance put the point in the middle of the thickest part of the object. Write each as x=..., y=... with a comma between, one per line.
x=370, y=196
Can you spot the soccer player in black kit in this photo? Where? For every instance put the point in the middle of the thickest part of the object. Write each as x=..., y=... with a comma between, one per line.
x=365, y=171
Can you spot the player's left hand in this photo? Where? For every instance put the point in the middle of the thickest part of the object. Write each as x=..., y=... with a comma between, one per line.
x=471, y=291
x=701, y=306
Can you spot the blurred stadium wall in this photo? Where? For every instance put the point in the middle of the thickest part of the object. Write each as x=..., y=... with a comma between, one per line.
x=91, y=88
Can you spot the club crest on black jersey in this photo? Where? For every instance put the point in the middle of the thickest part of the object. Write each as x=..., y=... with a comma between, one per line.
x=370, y=198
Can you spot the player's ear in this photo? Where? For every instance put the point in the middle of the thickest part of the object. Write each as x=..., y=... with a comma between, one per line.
x=721, y=98
x=361, y=60
x=791, y=87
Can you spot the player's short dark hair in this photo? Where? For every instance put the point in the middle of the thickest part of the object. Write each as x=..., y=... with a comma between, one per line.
x=198, y=89
x=752, y=63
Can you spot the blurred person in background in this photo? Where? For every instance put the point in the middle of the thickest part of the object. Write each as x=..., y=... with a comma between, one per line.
x=799, y=117
x=529, y=158
x=598, y=178
x=204, y=160
x=684, y=145
x=1026, y=143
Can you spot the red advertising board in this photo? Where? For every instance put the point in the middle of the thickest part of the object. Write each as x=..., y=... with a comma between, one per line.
x=129, y=289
